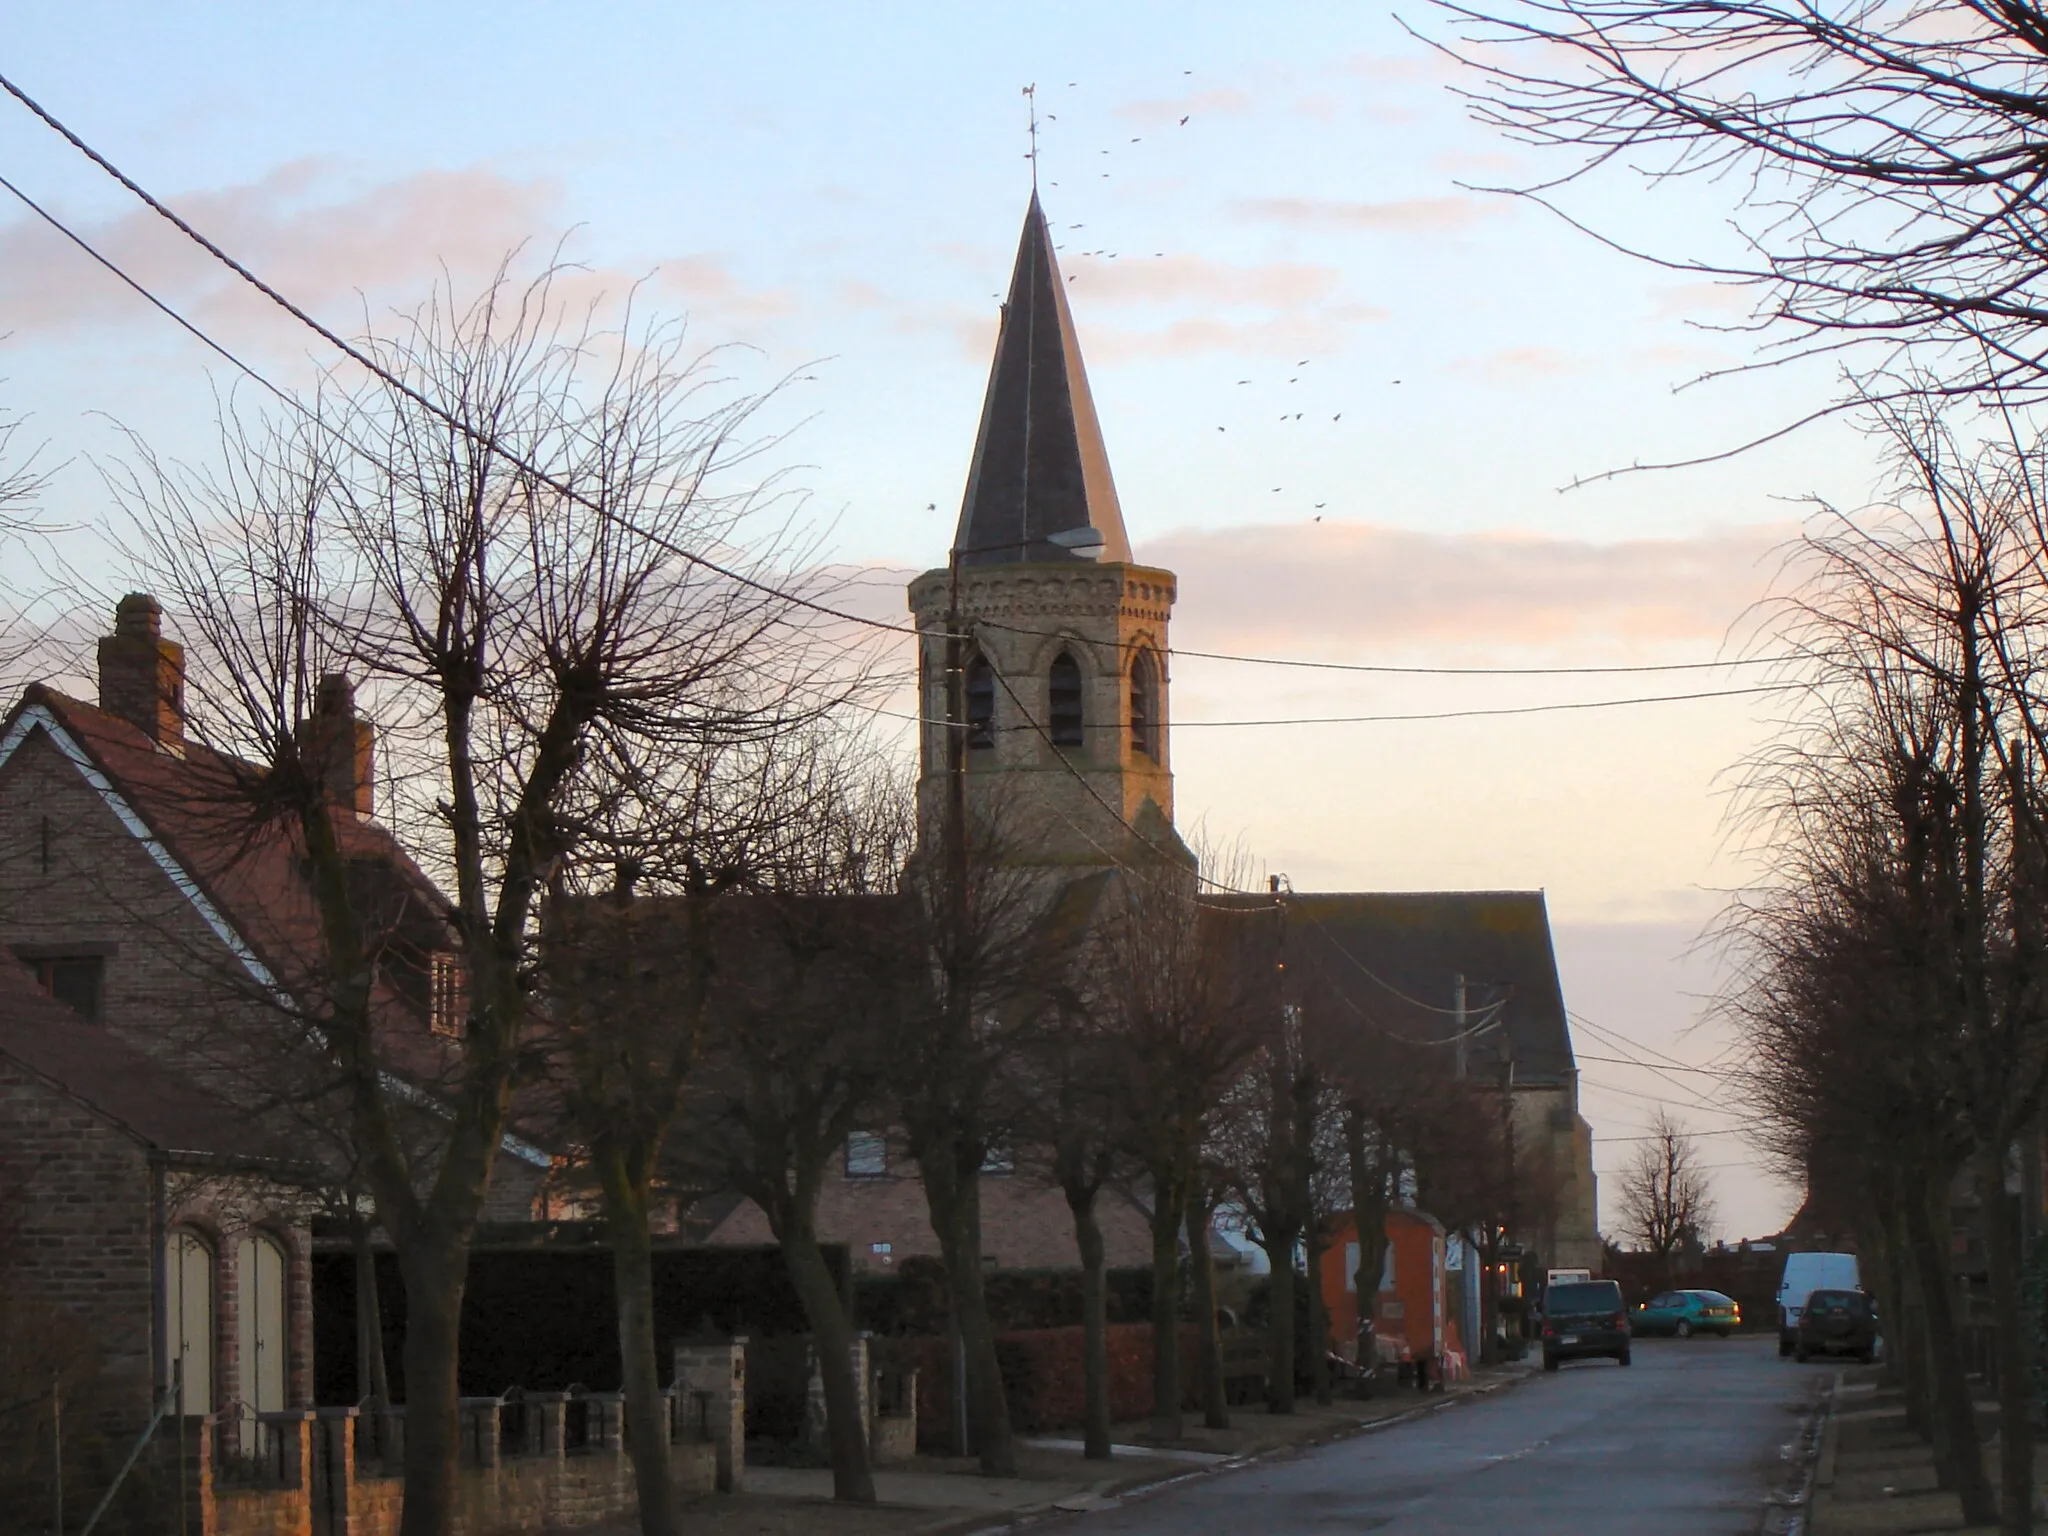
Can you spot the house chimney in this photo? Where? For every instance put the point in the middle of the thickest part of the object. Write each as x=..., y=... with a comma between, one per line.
x=339, y=747
x=142, y=675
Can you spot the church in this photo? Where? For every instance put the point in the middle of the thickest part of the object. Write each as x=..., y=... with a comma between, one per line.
x=1045, y=672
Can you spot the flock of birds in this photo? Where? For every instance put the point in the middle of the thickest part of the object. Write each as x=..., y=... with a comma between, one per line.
x=1109, y=255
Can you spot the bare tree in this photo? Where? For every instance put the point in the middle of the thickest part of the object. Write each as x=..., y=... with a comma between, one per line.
x=994, y=949
x=1181, y=988
x=1665, y=1201
x=1909, y=813
x=812, y=976
x=1882, y=158
x=496, y=537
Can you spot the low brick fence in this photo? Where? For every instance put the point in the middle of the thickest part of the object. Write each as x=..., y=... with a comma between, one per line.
x=1043, y=1375
x=530, y=1462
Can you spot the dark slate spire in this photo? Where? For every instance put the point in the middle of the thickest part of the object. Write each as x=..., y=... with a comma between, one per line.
x=1039, y=465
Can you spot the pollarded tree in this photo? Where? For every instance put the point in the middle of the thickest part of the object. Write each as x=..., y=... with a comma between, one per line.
x=498, y=536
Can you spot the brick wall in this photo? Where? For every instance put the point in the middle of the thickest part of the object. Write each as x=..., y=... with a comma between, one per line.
x=1025, y=1223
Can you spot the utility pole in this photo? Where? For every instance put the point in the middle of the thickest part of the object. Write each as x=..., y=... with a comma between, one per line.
x=1458, y=1018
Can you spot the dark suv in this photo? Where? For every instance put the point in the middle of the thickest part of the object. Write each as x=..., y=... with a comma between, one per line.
x=1584, y=1318
x=1837, y=1323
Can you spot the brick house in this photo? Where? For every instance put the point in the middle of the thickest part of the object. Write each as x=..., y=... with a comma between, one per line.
x=166, y=1222
x=161, y=951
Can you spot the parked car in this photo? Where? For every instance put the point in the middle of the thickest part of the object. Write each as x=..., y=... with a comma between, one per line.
x=1582, y=1319
x=1684, y=1313
x=1837, y=1323
x=1806, y=1273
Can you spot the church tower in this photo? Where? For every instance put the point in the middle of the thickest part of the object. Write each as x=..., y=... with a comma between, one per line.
x=1064, y=645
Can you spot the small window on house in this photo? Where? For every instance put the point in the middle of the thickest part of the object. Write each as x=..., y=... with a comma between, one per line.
x=446, y=999
x=74, y=980
x=981, y=703
x=867, y=1155
x=1066, y=714
x=1145, y=705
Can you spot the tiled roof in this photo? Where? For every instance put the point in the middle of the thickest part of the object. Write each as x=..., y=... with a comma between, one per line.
x=1390, y=961
x=246, y=872
x=138, y=1092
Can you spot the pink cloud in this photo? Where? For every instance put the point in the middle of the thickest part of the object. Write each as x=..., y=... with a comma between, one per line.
x=330, y=247
x=1419, y=215
x=1358, y=589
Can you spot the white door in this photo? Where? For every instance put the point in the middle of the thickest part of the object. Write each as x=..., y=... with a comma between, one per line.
x=188, y=1275
x=260, y=1269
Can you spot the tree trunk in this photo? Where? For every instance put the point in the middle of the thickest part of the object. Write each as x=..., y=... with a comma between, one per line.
x=627, y=1190
x=1094, y=1324
x=853, y=1480
x=372, y=1379
x=1166, y=1385
x=1280, y=1261
x=1961, y=1469
x=434, y=1280
x=2015, y=1426
x=1318, y=1317
x=953, y=1198
x=1202, y=1269
x=1369, y=1222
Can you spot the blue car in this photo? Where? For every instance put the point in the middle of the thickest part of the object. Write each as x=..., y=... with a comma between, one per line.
x=1684, y=1313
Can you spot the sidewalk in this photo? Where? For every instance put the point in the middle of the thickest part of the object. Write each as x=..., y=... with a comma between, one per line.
x=1875, y=1477
x=942, y=1495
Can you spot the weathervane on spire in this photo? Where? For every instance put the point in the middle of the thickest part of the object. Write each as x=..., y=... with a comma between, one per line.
x=1031, y=106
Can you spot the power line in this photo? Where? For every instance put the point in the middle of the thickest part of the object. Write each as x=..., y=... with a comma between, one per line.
x=1388, y=719
x=1423, y=671
x=476, y=435
x=490, y=442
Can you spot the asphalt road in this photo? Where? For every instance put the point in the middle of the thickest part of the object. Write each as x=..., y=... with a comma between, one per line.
x=1690, y=1439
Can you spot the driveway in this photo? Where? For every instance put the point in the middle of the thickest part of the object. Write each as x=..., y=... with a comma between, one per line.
x=1690, y=1439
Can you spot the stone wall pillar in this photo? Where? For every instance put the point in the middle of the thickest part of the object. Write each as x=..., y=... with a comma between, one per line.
x=817, y=1427
x=334, y=1470
x=718, y=1370
x=478, y=1417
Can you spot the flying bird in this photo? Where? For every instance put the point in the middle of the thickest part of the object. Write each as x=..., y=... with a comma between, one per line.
x=1338, y=417
x=1321, y=504
x=1137, y=141
x=1184, y=122
x=1302, y=364
x=1319, y=519
x=1244, y=381
x=1219, y=429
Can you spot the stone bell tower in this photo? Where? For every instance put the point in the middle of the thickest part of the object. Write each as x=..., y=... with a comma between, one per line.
x=1064, y=643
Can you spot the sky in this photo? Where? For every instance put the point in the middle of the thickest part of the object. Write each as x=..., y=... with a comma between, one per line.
x=1362, y=406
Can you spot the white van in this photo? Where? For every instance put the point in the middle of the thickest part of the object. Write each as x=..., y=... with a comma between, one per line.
x=1806, y=1273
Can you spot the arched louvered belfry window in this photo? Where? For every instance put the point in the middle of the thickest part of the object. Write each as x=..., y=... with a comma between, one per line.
x=1145, y=705
x=981, y=703
x=1066, y=716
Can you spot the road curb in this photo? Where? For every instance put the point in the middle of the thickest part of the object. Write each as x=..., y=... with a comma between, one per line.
x=1789, y=1510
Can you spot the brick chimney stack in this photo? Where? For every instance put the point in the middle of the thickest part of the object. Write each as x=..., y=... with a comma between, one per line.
x=341, y=747
x=142, y=675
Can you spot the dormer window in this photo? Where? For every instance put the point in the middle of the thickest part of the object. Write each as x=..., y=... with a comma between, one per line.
x=446, y=999
x=1145, y=705
x=981, y=703
x=1066, y=714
